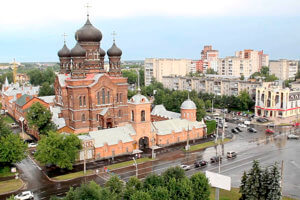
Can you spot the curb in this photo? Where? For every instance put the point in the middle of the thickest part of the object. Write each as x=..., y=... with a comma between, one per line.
x=209, y=146
x=58, y=181
x=22, y=186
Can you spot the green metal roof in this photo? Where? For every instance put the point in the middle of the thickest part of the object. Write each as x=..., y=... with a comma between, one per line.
x=22, y=100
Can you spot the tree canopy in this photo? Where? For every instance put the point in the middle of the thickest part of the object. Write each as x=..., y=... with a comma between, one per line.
x=46, y=89
x=38, y=76
x=173, y=184
x=59, y=149
x=40, y=118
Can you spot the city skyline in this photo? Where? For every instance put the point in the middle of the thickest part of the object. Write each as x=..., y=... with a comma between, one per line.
x=179, y=31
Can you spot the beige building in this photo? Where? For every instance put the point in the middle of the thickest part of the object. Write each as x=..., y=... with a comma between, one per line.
x=284, y=69
x=273, y=101
x=244, y=62
x=213, y=84
x=159, y=67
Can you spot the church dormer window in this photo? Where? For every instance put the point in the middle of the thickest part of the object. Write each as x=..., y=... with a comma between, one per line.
x=108, y=97
x=132, y=115
x=120, y=113
x=83, y=117
x=98, y=98
x=120, y=97
x=84, y=101
x=80, y=101
x=143, y=117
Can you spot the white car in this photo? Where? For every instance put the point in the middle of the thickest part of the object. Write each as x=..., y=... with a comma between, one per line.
x=185, y=167
x=292, y=136
x=32, y=145
x=242, y=125
x=24, y=195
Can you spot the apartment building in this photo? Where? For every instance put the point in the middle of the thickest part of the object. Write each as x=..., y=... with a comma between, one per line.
x=278, y=103
x=209, y=58
x=159, y=67
x=284, y=69
x=244, y=63
x=213, y=84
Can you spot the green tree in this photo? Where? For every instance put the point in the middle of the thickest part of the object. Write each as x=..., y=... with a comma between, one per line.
x=115, y=186
x=174, y=172
x=142, y=77
x=271, y=78
x=59, y=149
x=265, y=71
x=4, y=129
x=180, y=189
x=200, y=108
x=298, y=74
x=211, y=126
x=242, y=77
x=90, y=191
x=39, y=118
x=132, y=185
x=201, y=185
x=245, y=100
x=12, y=149
x=131, y=75
x=153, y=181
x=159, y=193
x=243, y=187
x=208, y=104
x=140, y=195
x=254, y=189
x=46, y=90
x=274, y=192
x=210, y=71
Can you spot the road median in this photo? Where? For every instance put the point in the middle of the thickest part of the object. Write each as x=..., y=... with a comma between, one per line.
x=10, y=186
x=206, y=145
x=71, y=176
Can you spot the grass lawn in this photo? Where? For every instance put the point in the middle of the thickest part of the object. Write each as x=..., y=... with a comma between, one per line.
x=4, y=172
x=8, y=119
x=72, y=175
x=10, y=185
x=127, y=163
x=206, y=145
x=232, y=195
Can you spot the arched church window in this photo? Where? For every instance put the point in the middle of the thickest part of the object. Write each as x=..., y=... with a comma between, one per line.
x=120, y=113
x=80, y=101
x=108, y=97
x=120, y=97
x=132, y=115
x=143, y=116
x=72, y=116
x=84, y=102
x=103, y=96
x=83, y=117
x=98, y=98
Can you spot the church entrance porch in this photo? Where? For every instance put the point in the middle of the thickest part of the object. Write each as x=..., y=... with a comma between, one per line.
x=144, y=143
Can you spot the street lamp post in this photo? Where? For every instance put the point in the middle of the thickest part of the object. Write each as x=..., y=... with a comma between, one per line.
x=22, y=123
x=136, y=167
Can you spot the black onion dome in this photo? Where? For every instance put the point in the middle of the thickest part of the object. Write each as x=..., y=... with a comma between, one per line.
x=102, y=52
x=78, y=51
x=88, y=33
x=64, y=52
x=114, y=50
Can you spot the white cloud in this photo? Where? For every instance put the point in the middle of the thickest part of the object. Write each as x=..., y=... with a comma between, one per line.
x=22, y=13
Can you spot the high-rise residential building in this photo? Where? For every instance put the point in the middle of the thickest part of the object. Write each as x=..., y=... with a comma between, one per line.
x=159, y=67
x=209, y=58
x=284, y=69
x=244, y=63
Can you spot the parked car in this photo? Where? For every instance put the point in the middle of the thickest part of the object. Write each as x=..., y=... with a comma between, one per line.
x=270, y=131
x=252, y=130
x=185, y=167
x=296, y=124
x=238, y=129
x=201, y=163
x=14, y=125
x=271, y=125
x=207, y=118
x=215, y=159
x=231, y=154
x=24, y=195
x=292, y=136
x=247, y=122
x=32, y=145
x=262, y=120
x=242, y=125
x=234, y=131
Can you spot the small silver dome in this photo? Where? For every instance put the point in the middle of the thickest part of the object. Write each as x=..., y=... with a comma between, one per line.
x=139, y=99
x=188, y=104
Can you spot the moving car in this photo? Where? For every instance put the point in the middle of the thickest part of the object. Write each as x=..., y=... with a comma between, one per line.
x=270, y=131
x=252, y=130
x=32, y=145
x=292, y=136
x=296, y=124
x=231, y=154
x=24, y=195
x=185, y=167
x=234, y=131
x=242, y=125
x=238, y=129
x=201, y=163
x=216, y=159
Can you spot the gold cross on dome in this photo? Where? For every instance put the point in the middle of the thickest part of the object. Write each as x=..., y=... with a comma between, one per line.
x=114, y=35
x=87, y=8
x=65, y=35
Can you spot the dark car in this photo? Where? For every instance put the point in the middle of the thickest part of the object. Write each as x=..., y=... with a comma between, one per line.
x=201, y=163
x=261, y=120
x=234, y=131
x=252, y=130
x=216, y=159
x=239, y=129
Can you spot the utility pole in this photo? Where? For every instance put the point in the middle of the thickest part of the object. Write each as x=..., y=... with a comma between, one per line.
x=223, y=133
x=217, y=195
x=84, y=160
x=187, y=147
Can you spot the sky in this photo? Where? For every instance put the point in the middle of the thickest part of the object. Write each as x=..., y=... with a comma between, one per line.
x=31, y=30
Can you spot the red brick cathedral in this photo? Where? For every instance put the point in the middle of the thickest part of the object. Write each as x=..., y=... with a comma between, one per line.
x=91, y=98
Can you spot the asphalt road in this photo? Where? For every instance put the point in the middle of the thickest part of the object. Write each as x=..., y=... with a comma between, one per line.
x=267, y=149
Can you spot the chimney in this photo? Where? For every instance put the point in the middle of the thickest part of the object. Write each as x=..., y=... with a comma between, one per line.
x=19, y=95
x=27, y=98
